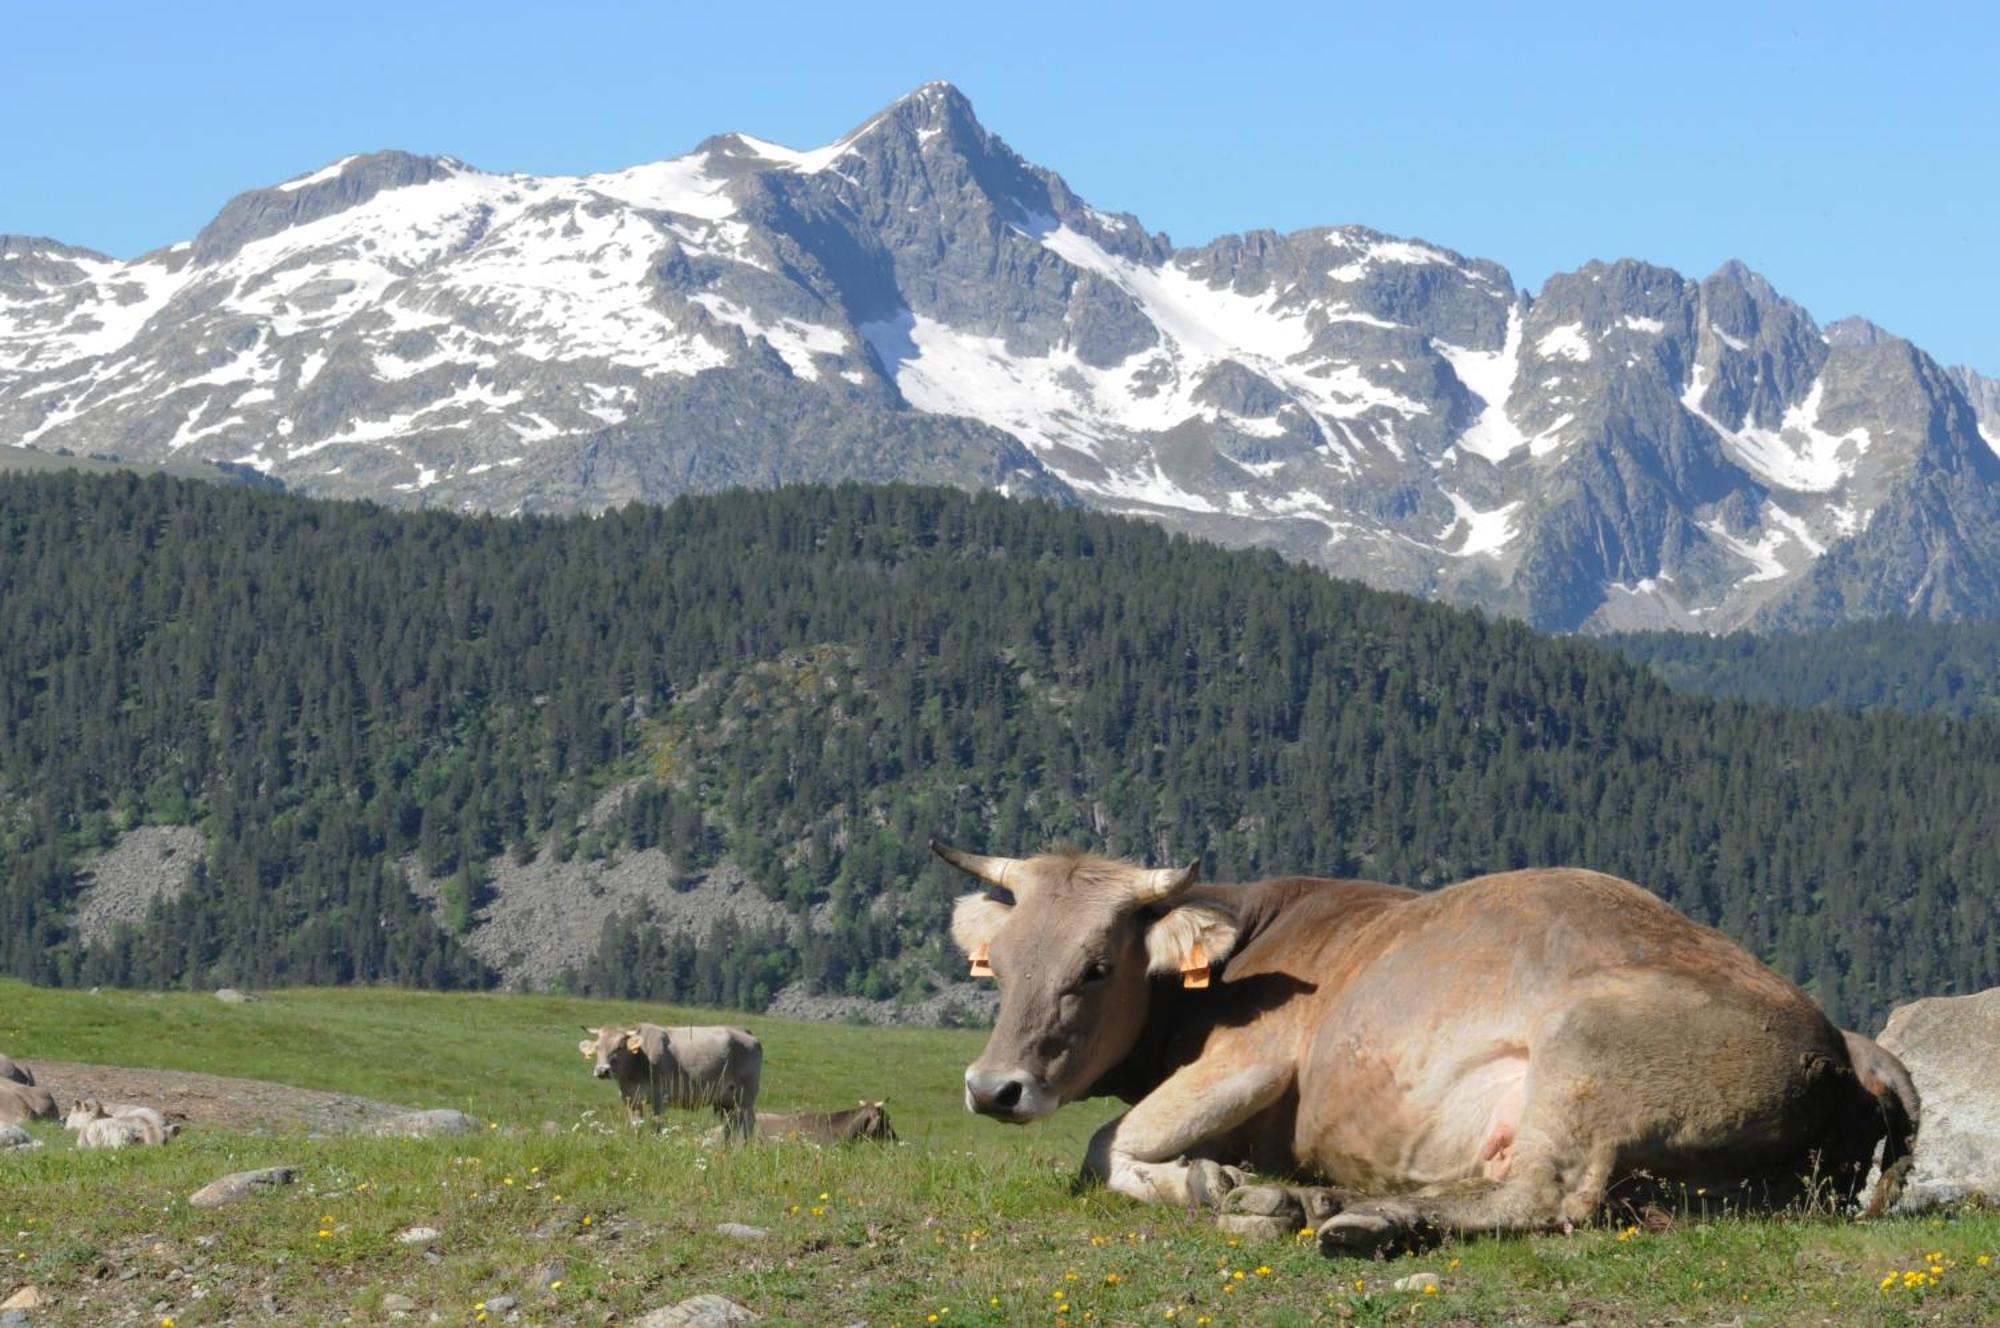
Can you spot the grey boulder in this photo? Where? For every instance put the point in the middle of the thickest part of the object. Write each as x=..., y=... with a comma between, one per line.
x=698, y=1312
x=428, y=1124
x=1951, y=1045
x=240, y=1185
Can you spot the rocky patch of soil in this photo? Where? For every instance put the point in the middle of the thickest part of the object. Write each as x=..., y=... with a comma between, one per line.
x=217, y=1102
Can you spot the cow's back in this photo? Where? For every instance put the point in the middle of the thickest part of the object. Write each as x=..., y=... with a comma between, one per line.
x=1429, y=1018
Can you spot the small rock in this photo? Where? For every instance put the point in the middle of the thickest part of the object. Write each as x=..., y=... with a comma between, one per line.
x=1415, y=1282
x=698, y=1312
x=13, y=1319
x=240, y=1185
x=13, y=1136
x=231, y=996
x=549, y=1273
x=417, y=1236
x=1255, y=1228
x=27, y=1298
x=501, y=1304
x=740, y=1231
x=398, y=1303
x=427, y=1124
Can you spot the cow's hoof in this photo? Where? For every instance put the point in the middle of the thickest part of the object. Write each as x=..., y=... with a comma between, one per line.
x=1209, y=1183
x=1375, y=1231
x=1280, y=1202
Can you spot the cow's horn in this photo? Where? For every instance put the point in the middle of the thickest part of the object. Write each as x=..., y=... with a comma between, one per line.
x=993, y=871
x=1163, y=883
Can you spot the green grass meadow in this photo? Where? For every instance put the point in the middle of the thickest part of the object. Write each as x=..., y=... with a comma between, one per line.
x=585, y=1221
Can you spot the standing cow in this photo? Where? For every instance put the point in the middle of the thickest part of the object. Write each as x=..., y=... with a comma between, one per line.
x=687, y=1066
x=1501, y=1055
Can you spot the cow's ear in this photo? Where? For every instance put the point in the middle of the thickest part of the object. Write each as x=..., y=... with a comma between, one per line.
x=1189, y=940
x=634, y=1043
x=588, y=1048
x=976, y=920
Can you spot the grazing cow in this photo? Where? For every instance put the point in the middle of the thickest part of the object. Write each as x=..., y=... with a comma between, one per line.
x=1505, y=1054
x=21, y=1103
x=685, y=1066
x=12, y=1071
x=868, y=1121
x=118, y=1127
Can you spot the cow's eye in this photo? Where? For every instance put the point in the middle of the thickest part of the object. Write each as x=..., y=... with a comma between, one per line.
x=1097, y=972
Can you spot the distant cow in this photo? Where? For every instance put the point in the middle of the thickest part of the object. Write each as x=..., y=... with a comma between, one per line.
x=84, y=1110
x=869, y=1121
x=1505, y=1054
x=685, y=1066
x=21, y=1103
x=12, y=1071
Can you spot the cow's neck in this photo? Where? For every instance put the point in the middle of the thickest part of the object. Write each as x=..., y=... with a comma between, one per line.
x=1285, y=928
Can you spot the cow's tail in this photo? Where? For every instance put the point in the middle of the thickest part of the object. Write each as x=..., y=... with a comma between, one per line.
x=1887, y=1082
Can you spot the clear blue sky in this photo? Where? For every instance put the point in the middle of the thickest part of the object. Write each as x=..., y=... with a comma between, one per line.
x=1850, y=152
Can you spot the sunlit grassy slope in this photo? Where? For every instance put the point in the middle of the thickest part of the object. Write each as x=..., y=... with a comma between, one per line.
x=967, y=1221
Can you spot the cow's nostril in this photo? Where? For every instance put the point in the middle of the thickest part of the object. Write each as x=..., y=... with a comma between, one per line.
x=1009, y=1095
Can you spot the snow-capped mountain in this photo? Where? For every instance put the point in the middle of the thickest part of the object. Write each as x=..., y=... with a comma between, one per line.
x=915, y=301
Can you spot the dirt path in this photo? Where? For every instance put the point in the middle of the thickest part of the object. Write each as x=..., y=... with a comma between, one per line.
x=242, y=1105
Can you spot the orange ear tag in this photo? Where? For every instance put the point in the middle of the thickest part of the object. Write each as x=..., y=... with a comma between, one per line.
x=980, y=968
x=1194, y=970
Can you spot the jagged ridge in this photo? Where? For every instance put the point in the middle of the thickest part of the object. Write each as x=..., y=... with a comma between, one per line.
x=1626, y=447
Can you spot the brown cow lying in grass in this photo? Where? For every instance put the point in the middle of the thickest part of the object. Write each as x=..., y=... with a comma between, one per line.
x=869, y=1121
x=21, y=1103
x=1512, y=1053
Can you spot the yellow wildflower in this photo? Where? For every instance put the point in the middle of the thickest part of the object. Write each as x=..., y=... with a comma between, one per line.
x=1430, y=1288
x=1112, y=1279
x=1263, y=1270
x=556, y=1285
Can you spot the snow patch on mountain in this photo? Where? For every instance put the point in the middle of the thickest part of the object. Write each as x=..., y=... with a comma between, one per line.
x=1566, y=342
x=1798, y=454
x=1486, y=533
x=1490, y=375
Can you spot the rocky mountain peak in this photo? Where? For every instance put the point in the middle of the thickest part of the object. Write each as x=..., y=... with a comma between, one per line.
x=917, y=301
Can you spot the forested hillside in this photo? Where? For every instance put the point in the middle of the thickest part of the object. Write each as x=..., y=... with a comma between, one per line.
x=1895, y=664
x=808, y=682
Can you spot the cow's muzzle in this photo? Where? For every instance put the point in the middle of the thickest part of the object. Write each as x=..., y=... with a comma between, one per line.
x=1014, y=1096
x=601, y=1072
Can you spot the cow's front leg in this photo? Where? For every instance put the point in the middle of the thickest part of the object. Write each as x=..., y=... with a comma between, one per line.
x=1142, y=1154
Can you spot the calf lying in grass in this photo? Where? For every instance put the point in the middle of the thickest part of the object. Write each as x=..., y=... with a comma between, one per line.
x=868, y=1121
x=117, y=1127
